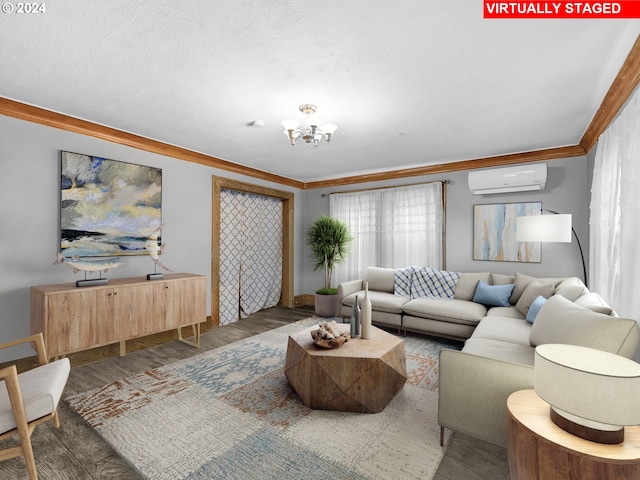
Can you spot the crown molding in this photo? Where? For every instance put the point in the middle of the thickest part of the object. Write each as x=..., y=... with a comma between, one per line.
x=48, y=118
x=621, y=89
x=498, y=161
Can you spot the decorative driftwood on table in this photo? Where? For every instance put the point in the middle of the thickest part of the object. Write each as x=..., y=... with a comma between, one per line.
x=329, y=335
x=331, y=342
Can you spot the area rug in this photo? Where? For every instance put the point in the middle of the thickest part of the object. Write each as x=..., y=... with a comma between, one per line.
x=229, y=413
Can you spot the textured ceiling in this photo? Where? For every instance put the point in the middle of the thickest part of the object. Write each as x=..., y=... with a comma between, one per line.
x=408, y=83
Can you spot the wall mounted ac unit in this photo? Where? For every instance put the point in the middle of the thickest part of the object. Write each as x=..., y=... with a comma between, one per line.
x=519, y=178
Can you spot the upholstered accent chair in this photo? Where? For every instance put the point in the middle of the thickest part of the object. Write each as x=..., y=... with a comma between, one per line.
x=30, y=398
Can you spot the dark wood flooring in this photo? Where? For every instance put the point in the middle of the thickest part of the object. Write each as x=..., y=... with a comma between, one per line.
x=75, y=452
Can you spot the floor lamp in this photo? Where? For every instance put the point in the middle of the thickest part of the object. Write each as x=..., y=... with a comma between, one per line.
x=549, y=228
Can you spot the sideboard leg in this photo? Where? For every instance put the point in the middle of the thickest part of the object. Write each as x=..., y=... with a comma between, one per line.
x=196, y=336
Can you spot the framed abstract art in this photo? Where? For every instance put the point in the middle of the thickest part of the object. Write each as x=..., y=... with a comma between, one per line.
x=494, y=233
x=107, y=207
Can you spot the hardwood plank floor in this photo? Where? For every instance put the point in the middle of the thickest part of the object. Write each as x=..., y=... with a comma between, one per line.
x=75, y=452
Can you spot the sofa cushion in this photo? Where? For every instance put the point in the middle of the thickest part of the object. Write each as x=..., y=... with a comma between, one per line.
x=595, y=303
x=466, y=286
x=380, y=279
x=571, y=288
x=380, y=301
x=562, y=321
x=505, y=329
x=509, y=312
x=534, y=290
x=498, y=279
x=492, y=295
x=449, y=310
x=438, y=328
x=41, y=389
x=429, y=282
x=499, y=350
x=379, y=317
x=522, y=281
x=534, y=309
x=402, y=281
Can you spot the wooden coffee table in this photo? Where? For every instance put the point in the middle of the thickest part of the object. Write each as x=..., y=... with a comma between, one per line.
x=361, y=376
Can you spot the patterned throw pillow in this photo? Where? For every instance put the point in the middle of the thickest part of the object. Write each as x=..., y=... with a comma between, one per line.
x=429, y=282
x=402, y=282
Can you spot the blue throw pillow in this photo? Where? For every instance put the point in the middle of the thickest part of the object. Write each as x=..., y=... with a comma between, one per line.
x=493, y=295
x=534, y=308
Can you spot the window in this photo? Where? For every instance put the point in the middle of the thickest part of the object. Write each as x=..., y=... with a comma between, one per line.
x=391, y=227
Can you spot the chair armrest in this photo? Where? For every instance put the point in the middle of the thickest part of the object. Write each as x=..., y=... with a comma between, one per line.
x=473, y=392
x=37, y=340
x=347, y=288
x=10, y=377
x=9, y=373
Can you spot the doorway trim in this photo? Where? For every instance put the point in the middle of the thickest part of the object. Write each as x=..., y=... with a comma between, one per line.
x=220, y=183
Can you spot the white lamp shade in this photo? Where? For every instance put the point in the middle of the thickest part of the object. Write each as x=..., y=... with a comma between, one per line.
x=590, y=384
x=313, y=120
x=329, y=128
x=544, y=228
x=290, y=124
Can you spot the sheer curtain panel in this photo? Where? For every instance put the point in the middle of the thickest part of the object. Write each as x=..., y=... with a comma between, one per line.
x=392, y=227
x=614, y=256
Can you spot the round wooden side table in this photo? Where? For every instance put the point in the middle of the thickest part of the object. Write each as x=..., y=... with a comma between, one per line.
x=540, y=450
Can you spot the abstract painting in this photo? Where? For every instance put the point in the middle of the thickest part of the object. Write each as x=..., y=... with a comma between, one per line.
x=107, y=207
x=494, y=233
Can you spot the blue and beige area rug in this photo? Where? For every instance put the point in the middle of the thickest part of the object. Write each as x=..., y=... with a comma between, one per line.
x=229, y=413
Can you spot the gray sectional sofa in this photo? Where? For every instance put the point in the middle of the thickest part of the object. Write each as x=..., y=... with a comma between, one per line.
x=499, y=342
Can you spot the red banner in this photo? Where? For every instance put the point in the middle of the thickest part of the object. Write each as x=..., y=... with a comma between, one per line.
x=562, y=9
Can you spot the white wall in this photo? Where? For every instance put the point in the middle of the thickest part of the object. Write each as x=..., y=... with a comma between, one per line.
x=29, y=216
x=566, y=192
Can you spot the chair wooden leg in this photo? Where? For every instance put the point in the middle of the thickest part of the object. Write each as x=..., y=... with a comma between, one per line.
x=29, y=459
x=442, y=436
x=24, y=431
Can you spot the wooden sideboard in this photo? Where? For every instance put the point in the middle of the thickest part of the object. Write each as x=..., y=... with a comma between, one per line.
x=73, y=318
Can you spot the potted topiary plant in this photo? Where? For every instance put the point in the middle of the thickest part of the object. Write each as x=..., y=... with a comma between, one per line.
x=329, y=240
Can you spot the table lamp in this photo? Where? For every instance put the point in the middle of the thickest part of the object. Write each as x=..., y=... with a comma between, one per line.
x=592, y=394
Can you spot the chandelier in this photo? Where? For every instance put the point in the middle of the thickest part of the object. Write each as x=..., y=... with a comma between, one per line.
x=312, y=130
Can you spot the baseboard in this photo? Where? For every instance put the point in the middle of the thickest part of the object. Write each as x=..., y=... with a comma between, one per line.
x=304, y=299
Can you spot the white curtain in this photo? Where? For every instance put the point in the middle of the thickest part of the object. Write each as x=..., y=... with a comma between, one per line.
x=614, y=257
x=392, y=227
x=250, y=254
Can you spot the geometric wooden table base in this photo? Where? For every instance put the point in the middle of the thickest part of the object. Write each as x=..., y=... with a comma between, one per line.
x=361, y=376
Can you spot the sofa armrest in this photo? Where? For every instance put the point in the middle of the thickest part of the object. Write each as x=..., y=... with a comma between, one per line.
x=347, y=288
x=473, y=392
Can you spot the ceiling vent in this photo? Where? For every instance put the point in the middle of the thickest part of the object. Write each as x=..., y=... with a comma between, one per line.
x=520, y=178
